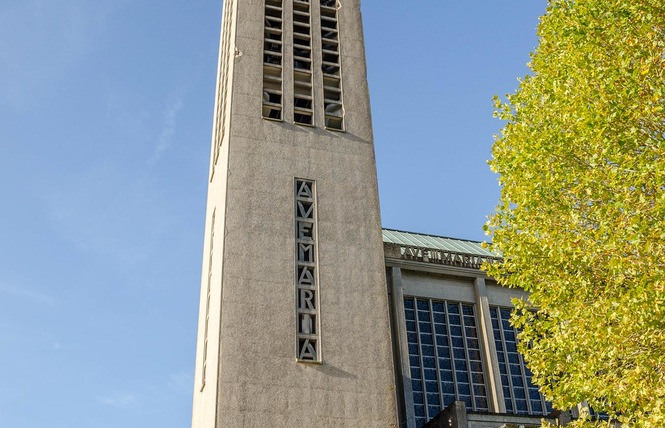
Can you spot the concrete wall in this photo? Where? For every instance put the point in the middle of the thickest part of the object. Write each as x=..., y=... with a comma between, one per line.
x=259, y=382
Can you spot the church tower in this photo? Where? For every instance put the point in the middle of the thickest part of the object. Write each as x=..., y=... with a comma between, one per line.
x=294, y=324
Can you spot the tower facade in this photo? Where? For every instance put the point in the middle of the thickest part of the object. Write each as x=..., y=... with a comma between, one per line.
x=294, y=323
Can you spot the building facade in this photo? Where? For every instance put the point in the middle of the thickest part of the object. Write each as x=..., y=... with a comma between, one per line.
x=310, y=314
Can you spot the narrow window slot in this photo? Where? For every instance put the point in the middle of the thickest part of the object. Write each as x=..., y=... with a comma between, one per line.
x=302, y=103
x=331, y=82
x=302, y=118
x=303, y=89
x=333, y=106
x=272, y=22
x=301, y=18
x=329, y=57
x=272, y=60
x=328, y=24
x=333, y=109
x=302, y=52
x=273, y=12
x=271, y=34
x=301, y=30
x=330, y=46
x=301, y=41
x=273, y=46
x=335, y=123
x=328, y=35
x=330, y=69
x=302, y=64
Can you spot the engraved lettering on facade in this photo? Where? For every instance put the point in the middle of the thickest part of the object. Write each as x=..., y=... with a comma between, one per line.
x=306, y=276
x=307, y=316
x=307, y=300
x=441, y=257
x=307, y=351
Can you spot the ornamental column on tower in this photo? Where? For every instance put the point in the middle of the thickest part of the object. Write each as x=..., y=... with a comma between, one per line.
x=294, y=316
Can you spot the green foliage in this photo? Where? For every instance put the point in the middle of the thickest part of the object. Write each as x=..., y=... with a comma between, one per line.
x=581, y=219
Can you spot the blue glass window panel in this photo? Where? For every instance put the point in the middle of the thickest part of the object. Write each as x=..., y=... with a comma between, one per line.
x=536, y=406
x=481, y=403
x=412, y=337
x=429, y=363
x=474, y=354
x=426, y=338
x=441, y=329
x=442, y=343
x=430, y=350
x=518, y=393
x=467, y=400
x=411, y=326
x=425, y=327
x=430, y=374
x=521, y=406
x=461, y=378
x=454, y=320
x=445, y=363
x=456, y=331
x=522, y=389
x=448, y=388
x=432, y=387
x=459, y=354
x=472, y=343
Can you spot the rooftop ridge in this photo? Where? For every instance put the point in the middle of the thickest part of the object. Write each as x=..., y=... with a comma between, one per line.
x=434, y=236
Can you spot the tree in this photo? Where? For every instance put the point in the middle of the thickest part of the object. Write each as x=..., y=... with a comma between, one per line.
x=581, y=219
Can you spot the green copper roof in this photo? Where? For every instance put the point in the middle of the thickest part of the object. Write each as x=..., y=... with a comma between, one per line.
x=435, y=242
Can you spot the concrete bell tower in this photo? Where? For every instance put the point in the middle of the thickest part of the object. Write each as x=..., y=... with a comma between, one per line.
x=294, y=324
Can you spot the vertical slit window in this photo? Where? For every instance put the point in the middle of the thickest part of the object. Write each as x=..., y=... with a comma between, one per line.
x=444, y=357
x=331, y=65
x=520, y=394
x=303, y=113
x=272, y=60
x=223, y=83
x=207, y=308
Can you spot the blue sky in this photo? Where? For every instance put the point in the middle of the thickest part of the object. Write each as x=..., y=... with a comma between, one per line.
x=105, y=122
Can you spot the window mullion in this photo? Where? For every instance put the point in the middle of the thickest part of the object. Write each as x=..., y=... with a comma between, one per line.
x=420, y=356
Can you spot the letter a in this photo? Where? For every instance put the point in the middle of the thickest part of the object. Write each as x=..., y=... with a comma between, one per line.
x=306, y=277
x=304, y=190
x=307, y=351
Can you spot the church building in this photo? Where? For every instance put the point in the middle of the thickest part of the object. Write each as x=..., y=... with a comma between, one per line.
x=311, y=314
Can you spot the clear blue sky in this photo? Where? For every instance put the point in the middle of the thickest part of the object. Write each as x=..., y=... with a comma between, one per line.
x=105, y=122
